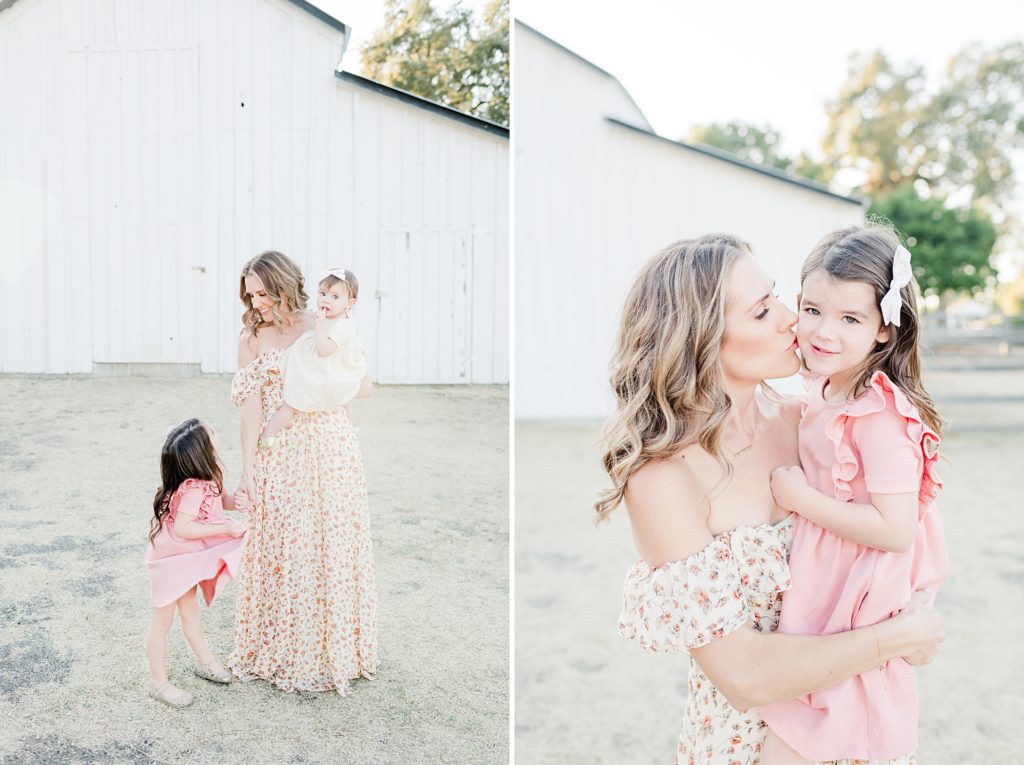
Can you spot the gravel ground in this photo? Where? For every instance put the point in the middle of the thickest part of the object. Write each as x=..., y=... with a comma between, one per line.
x=583, y=694
x=78, y=468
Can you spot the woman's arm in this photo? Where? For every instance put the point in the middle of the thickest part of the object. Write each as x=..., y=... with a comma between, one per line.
x=754, y=668
x=252, y=413
x=889, y=523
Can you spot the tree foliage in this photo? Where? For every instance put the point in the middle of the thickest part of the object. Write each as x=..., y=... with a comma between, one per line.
x=446, y=57
x=951, y=248
x=956, y=140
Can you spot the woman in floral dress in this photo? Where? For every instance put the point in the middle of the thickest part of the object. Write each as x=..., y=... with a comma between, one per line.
x=306, y=603
x=690, y=452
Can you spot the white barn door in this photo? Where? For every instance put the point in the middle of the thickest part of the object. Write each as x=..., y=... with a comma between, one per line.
x=423, y=306
x=138, y=165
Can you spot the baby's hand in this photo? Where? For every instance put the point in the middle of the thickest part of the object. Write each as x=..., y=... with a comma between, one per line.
x=320, y=321
x=788, y=486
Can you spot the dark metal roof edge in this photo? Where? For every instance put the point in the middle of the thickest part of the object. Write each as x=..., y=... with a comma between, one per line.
x=425, y=103
x=732, y=159
x=319, y=13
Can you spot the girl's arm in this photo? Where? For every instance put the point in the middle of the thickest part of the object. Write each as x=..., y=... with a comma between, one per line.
x=187, y=527
x=325, y=346
x=889, y=523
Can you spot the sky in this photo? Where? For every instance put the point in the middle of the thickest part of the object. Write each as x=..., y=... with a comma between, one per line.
x=687, y=63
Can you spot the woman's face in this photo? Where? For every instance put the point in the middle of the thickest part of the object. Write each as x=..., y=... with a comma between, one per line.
x=759, y=342
x=261, y=301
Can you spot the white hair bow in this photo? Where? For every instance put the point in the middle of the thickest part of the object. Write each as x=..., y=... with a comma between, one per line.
x=338, y=273
x=892, y=302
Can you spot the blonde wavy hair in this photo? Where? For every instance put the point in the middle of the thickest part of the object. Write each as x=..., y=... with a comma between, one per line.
x=865, y=254
x=665, y=370
x=282, y=281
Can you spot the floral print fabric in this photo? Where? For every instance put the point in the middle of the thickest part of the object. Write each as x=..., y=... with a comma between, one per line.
x=306, y=606
x=739, y=577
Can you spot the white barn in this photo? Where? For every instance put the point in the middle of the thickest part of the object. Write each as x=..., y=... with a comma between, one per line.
x=148, y=148
x=597, y=194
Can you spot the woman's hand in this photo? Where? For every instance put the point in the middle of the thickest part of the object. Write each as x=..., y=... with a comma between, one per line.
x=242, y=501
x=926, y=627
x=789, y=486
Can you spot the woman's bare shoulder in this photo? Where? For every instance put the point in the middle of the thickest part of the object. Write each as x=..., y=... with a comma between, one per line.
x=665, y=502
x=248, y=347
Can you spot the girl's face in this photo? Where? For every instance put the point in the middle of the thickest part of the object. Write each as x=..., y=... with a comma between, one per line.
x=334, y=300
x=839, y=324
x=261, y=301
x=759, y=343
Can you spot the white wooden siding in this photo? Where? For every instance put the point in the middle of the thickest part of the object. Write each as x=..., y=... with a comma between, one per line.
x=149, y=148
x=595, y=200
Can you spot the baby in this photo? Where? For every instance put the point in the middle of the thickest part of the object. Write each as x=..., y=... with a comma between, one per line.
x=323, y=369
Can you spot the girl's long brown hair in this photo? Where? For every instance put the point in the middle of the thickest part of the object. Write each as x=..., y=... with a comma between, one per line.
x=188, y=453
x=665, y=369
x=282, y=281
x=865, y=254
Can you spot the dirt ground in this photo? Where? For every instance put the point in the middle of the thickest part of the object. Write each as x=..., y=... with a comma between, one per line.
x=78, y=468
x=584, y=694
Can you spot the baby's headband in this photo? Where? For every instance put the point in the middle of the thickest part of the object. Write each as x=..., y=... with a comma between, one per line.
x=892, y=301
x=337, y=273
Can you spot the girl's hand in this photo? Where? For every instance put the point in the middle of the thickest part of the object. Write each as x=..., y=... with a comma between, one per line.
x=246, y=486
x=234, y=528
x=320, y=321
x=242, y=501
x=789, y=486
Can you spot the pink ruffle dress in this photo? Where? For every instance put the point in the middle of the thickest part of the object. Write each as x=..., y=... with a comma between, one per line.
x=849, y=450
x=177, y=565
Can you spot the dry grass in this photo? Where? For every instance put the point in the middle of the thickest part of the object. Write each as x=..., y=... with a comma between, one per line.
x=583, y=694
x=78, y=467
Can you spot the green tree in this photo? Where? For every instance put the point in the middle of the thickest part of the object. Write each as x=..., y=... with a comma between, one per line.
x=888, y=128
x=752, y=143
x=951, y=248
x=446, y=57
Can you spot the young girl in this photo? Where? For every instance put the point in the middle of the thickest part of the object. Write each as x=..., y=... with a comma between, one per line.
x=323, y=369
x=191, y=542
x=867, y=534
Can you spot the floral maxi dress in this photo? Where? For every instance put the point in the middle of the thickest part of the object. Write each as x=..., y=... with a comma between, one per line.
x=306, y=617
x=738, y=578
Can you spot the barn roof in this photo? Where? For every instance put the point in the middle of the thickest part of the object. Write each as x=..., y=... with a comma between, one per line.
x=424, y=103
x=708, y=151
x=309, y=8
x=589, y=63
x=732, y=159
x=396, y=93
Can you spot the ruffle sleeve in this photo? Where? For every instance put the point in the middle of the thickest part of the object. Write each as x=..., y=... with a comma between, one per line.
x=195, y=497
x=686, y=603
x=883, y=395
x=244, y=384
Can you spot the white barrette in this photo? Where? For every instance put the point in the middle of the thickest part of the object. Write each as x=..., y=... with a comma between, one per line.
x=892, y=302
x=338, y=273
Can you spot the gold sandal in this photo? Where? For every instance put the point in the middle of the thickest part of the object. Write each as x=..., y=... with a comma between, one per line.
x=171, y=695
x=207, y=672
